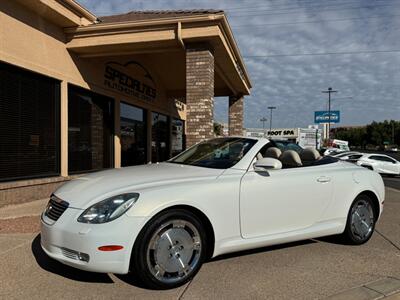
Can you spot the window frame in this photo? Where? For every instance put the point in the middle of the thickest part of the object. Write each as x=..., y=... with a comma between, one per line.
x=112, y=130
x=57, y=121
x=145, y=121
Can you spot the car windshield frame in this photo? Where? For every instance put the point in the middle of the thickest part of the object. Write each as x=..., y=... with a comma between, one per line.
x=217, y=153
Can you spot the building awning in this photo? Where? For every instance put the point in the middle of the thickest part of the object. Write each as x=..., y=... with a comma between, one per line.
x=164, y=35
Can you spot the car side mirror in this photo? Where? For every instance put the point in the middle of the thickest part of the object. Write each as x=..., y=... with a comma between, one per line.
x=267, y=163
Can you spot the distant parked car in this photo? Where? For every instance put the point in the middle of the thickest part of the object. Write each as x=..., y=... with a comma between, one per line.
x=337, y=146
x=393, y=148
x=348, y=155
x=380, y=163
x=333, y=151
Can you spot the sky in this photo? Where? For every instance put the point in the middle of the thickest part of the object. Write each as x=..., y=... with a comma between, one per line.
x=294, y=49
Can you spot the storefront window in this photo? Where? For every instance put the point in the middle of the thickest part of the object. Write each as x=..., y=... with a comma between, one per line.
x=177, y=137
x=133, y=135
x=90, y=131
x=29, y=124
x=160, y=138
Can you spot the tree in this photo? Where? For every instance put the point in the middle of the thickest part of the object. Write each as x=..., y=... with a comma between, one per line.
x=218, y=129
x=374, y=134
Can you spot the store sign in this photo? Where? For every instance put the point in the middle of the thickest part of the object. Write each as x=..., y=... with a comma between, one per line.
x=287, y=132
x=254, y=134
x=323, y=116
x=130, y=78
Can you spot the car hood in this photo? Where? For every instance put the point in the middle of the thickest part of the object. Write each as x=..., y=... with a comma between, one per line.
x=97, y=186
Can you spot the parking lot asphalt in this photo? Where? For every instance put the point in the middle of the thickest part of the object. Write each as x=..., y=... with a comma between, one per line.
x=393, y=182
x=311, y=269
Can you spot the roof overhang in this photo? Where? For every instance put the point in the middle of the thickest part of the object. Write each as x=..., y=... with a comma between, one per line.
x=165, y=35
x=64, y=13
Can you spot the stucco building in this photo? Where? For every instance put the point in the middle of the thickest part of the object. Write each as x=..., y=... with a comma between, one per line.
x=81, y=93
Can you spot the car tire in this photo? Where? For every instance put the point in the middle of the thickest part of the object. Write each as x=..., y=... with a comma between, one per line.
x=361, y=221
x=169, y=250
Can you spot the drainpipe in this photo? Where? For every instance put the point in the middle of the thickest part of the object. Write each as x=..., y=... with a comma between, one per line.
x=179, y=35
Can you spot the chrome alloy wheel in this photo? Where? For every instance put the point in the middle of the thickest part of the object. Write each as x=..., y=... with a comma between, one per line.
x=174, y=251
x=362, y=219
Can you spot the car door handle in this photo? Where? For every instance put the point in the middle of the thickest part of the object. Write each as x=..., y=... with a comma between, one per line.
x=323, y=179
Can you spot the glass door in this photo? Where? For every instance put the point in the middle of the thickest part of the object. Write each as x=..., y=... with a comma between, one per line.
x=160, y=137
x=133, y=135
x=177, y=136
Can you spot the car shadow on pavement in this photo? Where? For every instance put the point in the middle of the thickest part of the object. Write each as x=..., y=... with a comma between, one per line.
x=55, y=267
x=262, y=249
x=131, y=279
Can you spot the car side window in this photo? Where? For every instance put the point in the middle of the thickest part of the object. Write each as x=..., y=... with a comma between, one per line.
x=382, y=158
x=375, y=157
x=387, y=159
x=355, y=156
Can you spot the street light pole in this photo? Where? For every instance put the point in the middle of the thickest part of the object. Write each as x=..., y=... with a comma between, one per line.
x=263, y=120
x=270, y=118
x=329, y=92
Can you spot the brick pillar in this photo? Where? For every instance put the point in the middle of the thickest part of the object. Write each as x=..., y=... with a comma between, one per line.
x=236, y=115
x=199, y=94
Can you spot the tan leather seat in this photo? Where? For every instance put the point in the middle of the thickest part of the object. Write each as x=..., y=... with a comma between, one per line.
x=273, y=152
x=309, y=155
x=290, y=159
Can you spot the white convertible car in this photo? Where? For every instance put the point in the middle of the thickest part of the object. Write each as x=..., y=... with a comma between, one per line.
x=162, y=221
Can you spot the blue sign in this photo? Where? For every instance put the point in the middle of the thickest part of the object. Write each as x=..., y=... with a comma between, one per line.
x=323, y=116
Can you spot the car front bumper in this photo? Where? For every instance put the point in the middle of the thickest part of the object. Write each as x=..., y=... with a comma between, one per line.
x=72, y=243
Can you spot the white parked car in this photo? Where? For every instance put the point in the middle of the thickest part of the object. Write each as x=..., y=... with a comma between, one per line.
x=348, y=155
x=380, y=163
x=162, y=221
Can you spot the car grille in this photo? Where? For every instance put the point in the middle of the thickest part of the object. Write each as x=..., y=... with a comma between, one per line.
x=55, y=208
x=70, y=253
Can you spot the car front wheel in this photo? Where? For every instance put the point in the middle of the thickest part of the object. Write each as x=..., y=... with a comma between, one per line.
x=170, y=250
x=360, y=221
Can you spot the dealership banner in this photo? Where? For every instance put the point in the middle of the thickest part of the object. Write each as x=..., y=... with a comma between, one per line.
x=323, y=116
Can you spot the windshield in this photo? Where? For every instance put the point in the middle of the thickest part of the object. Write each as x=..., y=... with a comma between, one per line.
x=220, y=153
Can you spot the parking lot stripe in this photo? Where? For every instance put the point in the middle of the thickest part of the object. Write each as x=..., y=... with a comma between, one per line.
x=359, y=293
x=378, y=289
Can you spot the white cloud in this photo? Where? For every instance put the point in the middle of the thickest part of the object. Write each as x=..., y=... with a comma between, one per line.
x=294, y=84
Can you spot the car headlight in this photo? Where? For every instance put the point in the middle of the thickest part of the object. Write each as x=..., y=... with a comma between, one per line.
x=108, y=209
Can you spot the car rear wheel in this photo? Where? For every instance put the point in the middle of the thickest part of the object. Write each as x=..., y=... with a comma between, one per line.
x=170, y=250
x=360, y=221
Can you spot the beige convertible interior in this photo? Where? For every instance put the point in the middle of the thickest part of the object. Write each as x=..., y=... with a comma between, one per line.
x=290, y=158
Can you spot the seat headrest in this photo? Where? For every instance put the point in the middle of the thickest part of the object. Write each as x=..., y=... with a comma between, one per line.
x=273, y=152
x=309, y=154
x=290, y=158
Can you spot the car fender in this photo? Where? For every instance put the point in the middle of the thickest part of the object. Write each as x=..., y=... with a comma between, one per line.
x=216, y=199
x=348, y=184
x=368, y=181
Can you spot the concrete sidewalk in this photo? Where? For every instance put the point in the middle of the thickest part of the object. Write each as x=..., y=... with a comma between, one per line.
x=21, y=218
x=28, y=209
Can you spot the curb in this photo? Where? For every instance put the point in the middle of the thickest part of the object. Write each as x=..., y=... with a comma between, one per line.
x=28, y=209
